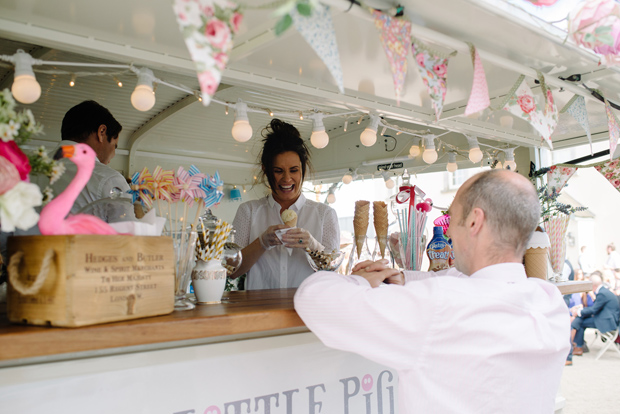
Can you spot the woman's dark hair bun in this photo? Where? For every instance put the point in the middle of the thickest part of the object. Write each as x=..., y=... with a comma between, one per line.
x=279, y=137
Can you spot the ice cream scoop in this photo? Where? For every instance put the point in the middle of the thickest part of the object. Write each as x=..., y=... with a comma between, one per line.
x=289, y=217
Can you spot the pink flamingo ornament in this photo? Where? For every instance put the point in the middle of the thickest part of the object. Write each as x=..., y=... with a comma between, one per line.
x=54, y=220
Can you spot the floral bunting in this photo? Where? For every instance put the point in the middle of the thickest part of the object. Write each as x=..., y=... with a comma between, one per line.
x=318, y=30
x=557, y=178
x=614, y=129
x=434, y=71
x=479, y=97
x=395, y=38
x=208, y=27
x=521, y=103
x=595, y=25
x=576, y=107
x=611, y=171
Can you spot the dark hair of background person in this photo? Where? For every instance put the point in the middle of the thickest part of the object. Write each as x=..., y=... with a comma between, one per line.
x=84, y=119
x=280, y=137
x=512, y=211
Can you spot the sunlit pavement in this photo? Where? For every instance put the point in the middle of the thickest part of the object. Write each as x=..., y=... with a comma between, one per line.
x=589, y=386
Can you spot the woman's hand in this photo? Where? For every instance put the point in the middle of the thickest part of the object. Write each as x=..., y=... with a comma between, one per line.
x=269, y=239
x=301, y=238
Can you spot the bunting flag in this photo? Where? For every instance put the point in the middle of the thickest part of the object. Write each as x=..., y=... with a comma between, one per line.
x=434, y=72
x=520, y=102
x=614, y=129
x=611, y=171
x=208, y=28
x=395, y=38
x=318, y=30
x=576, y=107
x=479, y=97
x=557, y=178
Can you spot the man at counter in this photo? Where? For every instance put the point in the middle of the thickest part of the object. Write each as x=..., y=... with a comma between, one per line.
x=483, y=339
x=92, y=124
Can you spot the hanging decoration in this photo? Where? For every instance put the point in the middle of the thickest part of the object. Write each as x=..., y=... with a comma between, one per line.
x=395, y=37
x=595, y=24
x=433, y=67
x=557, y=178
x=543, y=2
x=318, y=30
x=479, y=97
x=611, y=171
x=576, y=107
x=521, y=103
x=208, y=27
x=614, y=129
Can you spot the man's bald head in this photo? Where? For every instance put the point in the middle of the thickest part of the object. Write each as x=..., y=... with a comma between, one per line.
x=510, y=206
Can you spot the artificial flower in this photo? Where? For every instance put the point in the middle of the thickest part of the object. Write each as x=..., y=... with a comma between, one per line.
x=57, y=170
x=11, y=152
x=17, y=207
x=217, y=33
x=9, y=176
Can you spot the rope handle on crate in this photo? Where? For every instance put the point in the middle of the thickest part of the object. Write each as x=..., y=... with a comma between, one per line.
x=13, y=269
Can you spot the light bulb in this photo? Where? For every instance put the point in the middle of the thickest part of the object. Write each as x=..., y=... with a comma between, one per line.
x=509, y=162
x=241, y=130
x=451, y=167
x=369, y=136
x=475, y=154
x=331, y=198
x=319, y=137
x=414, y=151
x=347, y=178
x=430, y=155
x=25, y=87
x=143, y=96
x=389, y=183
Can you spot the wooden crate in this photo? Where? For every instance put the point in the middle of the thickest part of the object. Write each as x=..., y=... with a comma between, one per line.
x=91, y=279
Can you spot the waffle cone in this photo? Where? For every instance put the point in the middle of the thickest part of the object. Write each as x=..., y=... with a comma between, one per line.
x=360, y=223
x=380, y=219
x=535, y=261
x=292, y=223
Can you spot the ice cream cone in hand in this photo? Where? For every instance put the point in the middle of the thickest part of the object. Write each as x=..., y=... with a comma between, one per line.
x=289, y=217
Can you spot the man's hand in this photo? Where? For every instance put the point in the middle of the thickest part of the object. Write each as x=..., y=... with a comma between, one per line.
x=378, y=272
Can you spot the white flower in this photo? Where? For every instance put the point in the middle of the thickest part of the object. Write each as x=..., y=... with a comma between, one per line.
x=6, y=134
x=17, y=206
x=48, y=195
x=7, y=96
x=57, y=170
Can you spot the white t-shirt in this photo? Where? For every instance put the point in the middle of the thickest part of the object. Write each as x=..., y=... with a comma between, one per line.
x=276, y=268
x=613, y=260
x=493, y=342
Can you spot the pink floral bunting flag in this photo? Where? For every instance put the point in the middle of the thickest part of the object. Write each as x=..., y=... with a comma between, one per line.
x=395, y=38
x=611, y=171
x=521, y=103
x=614, y=129
x=434, y=72
x=479, y=97
x=318, y=30
x=208, y=27
x=557, y=178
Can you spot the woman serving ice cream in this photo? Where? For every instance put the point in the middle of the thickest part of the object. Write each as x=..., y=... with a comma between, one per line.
x=284, y=161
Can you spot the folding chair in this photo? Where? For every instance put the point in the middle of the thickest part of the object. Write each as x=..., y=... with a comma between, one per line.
x=609, y=341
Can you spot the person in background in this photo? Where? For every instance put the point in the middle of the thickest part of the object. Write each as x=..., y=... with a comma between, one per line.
x=285, y=162
x=604, y=314
x=481, y=338
x=585, y=262
x=92, y=124
x=613, y=264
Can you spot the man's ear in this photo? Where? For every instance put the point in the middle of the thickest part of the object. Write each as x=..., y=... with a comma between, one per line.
x=475, y=221
x=102, y=133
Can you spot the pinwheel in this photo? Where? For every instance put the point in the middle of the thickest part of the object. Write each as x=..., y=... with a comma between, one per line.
x=186, y=186
x=141, y=183
x=213, y=188
x=162, y=185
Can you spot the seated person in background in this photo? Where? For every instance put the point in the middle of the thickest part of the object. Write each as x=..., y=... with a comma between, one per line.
x=490, y=340
x=92, y=124
x=604, y=314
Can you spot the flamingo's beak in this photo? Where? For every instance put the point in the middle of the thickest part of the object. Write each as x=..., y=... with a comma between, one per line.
x=66, y=151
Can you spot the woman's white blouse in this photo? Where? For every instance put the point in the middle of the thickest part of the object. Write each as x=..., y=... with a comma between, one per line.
x=276, y=268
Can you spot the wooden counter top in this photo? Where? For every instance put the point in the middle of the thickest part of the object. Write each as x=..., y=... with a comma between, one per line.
x=242, y=313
